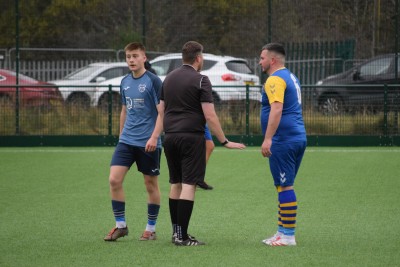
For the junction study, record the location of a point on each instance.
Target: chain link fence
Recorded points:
(322, 38)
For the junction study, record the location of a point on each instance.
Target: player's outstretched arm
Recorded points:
(215, 126)
(234, 145)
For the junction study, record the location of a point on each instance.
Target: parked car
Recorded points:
(32, 93)
(78, 87)
(101, 96)
(228, 75)
(358, 91)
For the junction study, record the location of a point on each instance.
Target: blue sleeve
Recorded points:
(122, 93)
(157, 84)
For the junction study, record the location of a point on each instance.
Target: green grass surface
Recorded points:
(55, 210)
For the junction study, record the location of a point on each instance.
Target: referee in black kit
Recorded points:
(187, 102)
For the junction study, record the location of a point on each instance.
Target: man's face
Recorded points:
(135, 59)
(265, 61)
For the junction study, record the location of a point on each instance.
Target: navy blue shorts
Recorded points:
(207, 133)
(285, 162)
(147, 163)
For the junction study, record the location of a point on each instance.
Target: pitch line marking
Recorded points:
(217, 150)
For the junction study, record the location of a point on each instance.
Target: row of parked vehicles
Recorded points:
(89, 86)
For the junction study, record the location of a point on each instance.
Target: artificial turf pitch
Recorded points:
(55, 210)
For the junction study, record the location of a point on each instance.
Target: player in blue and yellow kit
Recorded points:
(284, 137)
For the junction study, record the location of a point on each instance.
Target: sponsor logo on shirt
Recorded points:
(128, 102)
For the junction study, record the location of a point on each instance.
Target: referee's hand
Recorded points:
(234, 145)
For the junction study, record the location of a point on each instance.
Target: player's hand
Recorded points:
(234, 145)
(266, 148)
(151, 145)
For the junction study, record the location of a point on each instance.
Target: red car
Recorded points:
(32, 93)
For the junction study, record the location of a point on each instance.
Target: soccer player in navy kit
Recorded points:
(139, 141)
(284, 137)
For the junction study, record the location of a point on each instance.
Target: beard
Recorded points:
(267, 68)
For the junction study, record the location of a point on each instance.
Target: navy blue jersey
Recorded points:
(141, 97)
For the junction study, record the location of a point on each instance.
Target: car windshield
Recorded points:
(81, 73)
(238, 66)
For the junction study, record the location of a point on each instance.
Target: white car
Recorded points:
(228, 75)
(79, 87)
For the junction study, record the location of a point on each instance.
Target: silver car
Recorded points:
(79, 87)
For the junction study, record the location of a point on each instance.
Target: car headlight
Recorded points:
(319, 83)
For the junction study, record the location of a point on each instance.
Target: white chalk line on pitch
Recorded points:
(322, 150)
(66, 150)
(217, 150)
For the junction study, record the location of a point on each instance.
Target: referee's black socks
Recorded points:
(185, 208)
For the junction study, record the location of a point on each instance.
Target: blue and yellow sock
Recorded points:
(119, 213)
(288, 211)
(152, 214)
(280, 225)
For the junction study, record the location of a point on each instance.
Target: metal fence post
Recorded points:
(247, 113)
(385, 113)
(396, 65)
(17, 68)
(110, 107)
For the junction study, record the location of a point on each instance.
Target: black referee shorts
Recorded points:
(186, 157)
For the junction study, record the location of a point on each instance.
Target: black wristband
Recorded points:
(224, 143)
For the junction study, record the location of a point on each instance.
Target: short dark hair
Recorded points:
(275, 47)
(147, 66)
(134, 46)
(190, 51)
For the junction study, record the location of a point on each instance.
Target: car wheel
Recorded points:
(79, 101)
(331, 105)
(116, 102)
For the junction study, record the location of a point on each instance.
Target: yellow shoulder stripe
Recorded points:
(275, 89)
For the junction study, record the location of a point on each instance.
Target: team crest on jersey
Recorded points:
(142, 88)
